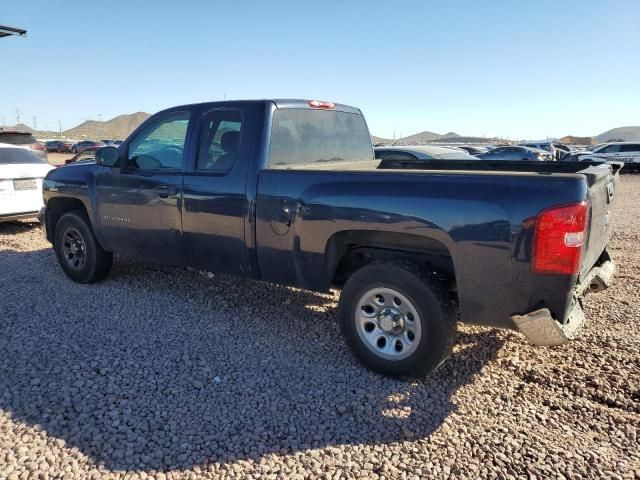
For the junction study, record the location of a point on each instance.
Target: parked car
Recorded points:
(52, 146)
(516, 153)
(23, 140)
(78, 147)
(473, 149)
(21, 175)
(88, 154)
(289, 192)
(626, 152)
(562, 151)
(421, 152)
(557, 150)
(58, 146)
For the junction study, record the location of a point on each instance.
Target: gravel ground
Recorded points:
(162, 372)
(58, 158)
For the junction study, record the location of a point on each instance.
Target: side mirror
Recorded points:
(107, 156)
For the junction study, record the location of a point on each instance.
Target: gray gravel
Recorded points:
(162, 372)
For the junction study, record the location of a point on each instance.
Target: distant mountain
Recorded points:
(465, 139)
(627, 134)
(432, 137)
(116, 128)
(422, 137)
(571, 140)
(376, 140)
(21, 127)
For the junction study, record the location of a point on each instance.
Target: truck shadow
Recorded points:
(159, 368)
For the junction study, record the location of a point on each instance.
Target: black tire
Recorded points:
(437, 317)
(94, 263)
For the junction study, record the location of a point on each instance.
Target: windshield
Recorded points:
(305, 136)
(18, 155)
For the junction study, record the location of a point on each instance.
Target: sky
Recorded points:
(515, 69)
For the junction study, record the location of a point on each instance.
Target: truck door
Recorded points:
(139, 204)
(214, 193)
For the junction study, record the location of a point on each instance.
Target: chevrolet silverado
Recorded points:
(289, 191)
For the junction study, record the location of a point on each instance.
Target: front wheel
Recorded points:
(78, 251)
(397, 319)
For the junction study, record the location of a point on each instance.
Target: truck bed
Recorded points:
(592, 170)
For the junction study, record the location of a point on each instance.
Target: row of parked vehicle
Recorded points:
(29, 141)
(69, 146)
(626, 152)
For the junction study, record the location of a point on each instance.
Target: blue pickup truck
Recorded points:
(289, 191)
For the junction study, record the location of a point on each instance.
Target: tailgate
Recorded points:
(602, 180)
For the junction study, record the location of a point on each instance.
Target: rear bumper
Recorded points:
(543, 330)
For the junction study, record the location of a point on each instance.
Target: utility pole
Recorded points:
(60, 128)
(101, 129)
(17, 117)
(35, 124)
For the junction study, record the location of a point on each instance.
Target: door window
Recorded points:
(161, 145)
(630, 147)
(610, 149)
(219, 141)
(501, 153)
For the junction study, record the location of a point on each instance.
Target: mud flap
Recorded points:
(541, 329)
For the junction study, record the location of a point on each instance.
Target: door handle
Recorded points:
(164, 191)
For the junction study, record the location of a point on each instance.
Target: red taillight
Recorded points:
(319, 104)
(559, 239)
(37, 146)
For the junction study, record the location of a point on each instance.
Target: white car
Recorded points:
(422, 152)
(627, 152)
(21, 175)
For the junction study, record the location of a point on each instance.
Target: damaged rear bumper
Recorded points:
(542, 329)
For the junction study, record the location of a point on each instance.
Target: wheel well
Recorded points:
(56, 207)
(348, 251)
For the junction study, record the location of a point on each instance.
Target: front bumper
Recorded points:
(42, 217)
(543, 330)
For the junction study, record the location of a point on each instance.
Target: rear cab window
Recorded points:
(219, 140)
(318, 138)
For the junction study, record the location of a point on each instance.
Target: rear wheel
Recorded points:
(79, 253)
(397, 319)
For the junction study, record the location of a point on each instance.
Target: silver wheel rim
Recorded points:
(388, 323)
